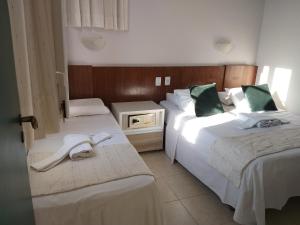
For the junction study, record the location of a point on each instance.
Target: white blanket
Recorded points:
(231, 155)
(112, 162)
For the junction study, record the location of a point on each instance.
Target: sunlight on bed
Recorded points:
(178, 120)
(192, 127)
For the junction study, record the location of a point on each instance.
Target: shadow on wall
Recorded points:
(279, 81)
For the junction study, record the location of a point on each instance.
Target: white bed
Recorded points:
(129, 201)
(267, 182)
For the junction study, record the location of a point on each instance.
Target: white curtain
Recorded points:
(105, 14)
(33, 42)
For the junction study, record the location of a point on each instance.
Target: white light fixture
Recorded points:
(224, 46)
(93, 43)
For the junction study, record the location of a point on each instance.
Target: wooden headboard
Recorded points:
(117, 84)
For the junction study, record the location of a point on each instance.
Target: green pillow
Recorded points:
(259, 98)
(206, 98)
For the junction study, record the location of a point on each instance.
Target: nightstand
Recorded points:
(142, 122)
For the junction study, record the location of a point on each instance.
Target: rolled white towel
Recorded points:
(100, 137)
(77, 146)
(86, 150)
(70, 142)
(82, 151)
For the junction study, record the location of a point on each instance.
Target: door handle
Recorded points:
(29, 119)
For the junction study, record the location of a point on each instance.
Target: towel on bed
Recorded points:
(99, 137)
(82, 151)
(71, 141)
(86, 150)
(112, 162)
(77, 146)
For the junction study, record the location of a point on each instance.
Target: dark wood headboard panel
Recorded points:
(237, 75)
(116, 84)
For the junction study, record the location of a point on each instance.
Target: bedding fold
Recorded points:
(231, 155)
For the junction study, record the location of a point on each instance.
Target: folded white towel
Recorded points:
(86, 150)
(82, 151)
(100, 137)
(77, 146)
(70, 142)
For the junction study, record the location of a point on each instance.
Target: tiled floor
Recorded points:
(188, 202)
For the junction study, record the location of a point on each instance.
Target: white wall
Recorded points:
(177, 32)
(279, 51)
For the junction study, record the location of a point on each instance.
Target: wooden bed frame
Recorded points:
(120, 84)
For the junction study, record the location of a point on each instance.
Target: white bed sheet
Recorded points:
(267, 182)
(102, 204)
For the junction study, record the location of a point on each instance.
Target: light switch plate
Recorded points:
(167, 81)
(157, 81)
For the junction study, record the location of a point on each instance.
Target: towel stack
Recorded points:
(77, 146)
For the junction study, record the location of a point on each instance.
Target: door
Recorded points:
(15, 197)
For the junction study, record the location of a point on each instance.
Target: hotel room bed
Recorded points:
(267, 182)
(128, 201)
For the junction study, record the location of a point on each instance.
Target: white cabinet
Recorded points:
(142, 122)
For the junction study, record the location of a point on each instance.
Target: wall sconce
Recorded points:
(93, 43)
(224, 46)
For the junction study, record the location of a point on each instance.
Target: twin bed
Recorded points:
(133, 200)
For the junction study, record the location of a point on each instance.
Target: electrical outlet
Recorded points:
(167, 81)
(157, 81)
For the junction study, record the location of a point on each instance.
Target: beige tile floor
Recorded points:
(188, 202)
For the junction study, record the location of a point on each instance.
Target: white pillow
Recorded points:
(184, 101)
(87, 107)
(225, 98)
(238, 98)
(170, 97)
(182, 92)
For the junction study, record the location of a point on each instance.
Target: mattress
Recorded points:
(103, 203)
(267, 182)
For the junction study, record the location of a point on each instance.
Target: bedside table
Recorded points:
(142, 123)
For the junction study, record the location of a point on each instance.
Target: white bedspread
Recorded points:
(231, 155)
(98, 204)
(267, 182)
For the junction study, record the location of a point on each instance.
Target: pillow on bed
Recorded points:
(184, 101)
(206, 98)
(238, 98)
(225, 98)
(170, 97)
(259, 98)
(87, 107)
